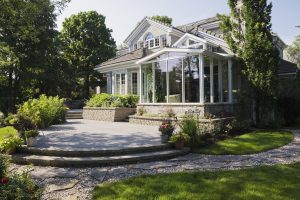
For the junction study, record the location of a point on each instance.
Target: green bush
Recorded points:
(17, 186)
(3, 165)
(31, 133)
(108, 100)
(10, 144)
(44, 111)
(190, 126)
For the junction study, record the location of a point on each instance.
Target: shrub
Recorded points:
(190, 126)
(44, 111)
(141, 111)
(100, 100)
(170, 113)
(180, 137)
(3, 165)
(10, 144)
(19, 186)
(108, 100)
(31, 133)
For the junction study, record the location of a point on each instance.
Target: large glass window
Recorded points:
(134, 83)
(206, 79)
(175, 80)
(147, 83)
(216, 80)
(191, 79)
(160, 79)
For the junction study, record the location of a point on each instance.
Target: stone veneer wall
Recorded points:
(206, 125)
(107, 114)
(181, 109)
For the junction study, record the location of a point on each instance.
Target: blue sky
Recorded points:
(123, 15)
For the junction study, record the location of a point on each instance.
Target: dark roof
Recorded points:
(133, 55)
(190, 26)
(286, 67)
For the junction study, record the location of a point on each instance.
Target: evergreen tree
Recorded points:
(163, 19)
(248, 33)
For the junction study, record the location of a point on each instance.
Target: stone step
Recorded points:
(74, 117)
(55, 161)
(92, 153)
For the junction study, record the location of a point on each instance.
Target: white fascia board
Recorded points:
(188, 36)
(120, 67)
(154, 55)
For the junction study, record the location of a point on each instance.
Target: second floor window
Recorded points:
(151, 41)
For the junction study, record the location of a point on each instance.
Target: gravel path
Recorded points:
(68, 183)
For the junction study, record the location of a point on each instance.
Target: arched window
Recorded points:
(151, 41)
(149, 36)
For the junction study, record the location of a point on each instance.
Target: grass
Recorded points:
(281, 182)
(249, 143)
(7, 131)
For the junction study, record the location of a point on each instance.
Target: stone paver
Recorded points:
(78, 183)
(96, 135)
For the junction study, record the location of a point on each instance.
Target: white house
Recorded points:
(182, 67)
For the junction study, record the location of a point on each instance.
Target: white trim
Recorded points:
(188, 36)
(211, 77)
(182, 81)
(201, 78)
(165, 50)
(141, 80)
(153, 83)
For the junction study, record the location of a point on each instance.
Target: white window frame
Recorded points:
(120, 83)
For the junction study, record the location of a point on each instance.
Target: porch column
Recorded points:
(201, 78)
(220, 79)
(211, 79)
(153, 83)
(167, 77)
(141, 82)
(230, 80)
(113, 86)
(182, 82)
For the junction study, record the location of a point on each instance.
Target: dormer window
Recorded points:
(151, 41)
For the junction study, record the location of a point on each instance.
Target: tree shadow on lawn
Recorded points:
(276, 183)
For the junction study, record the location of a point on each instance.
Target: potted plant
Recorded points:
(179, 139)
(31, 135)
(166, 129)
(10, 144)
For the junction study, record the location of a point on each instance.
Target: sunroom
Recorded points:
(175, 76)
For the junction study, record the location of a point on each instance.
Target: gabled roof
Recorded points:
(158, 23)
(131, 56)
(286, 67)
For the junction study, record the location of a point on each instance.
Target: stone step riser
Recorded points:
(95, 153)
(63, 162)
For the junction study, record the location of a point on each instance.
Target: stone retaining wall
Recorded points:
(206, 125)
(107, 114)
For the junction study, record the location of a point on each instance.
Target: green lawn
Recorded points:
(280, 182)
(6, 131)
(249, 143)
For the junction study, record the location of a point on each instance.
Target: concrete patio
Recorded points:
(96, 135)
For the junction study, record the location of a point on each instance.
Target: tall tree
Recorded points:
(27, 28)
(163, 19)
(87, 43)
(248, 33)
(293, 51)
